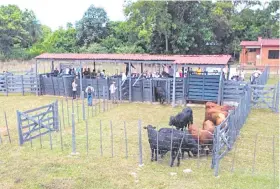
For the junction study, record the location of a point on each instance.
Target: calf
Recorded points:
(182, 119)
(160, 94)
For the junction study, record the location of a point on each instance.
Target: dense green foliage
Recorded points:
(159, 27)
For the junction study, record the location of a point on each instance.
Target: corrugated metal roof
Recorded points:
(202, 59)
(263, 42)
(179, 59)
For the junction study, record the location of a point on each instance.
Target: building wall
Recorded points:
(251, 57)
(264, 57)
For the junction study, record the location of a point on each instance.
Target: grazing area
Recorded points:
(33, 167)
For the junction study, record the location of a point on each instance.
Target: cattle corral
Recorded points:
(255, 164)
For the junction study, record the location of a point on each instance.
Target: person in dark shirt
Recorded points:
(55, 72)
(127, 68)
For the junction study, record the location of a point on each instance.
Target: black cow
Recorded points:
(189, 111)
(160, 94)
(182, 119)
(188, 144)
(162, 143)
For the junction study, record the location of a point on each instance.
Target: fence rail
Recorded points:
(18, 84)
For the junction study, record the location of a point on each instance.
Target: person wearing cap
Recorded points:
(89, 90)
(113, 89)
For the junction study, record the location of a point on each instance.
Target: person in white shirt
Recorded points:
(242, 75)
(89, 90)
(113, 89)
(74, 89)
(123, 76)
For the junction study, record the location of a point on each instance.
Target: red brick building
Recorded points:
(260, 53)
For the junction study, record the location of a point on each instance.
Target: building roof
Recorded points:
(178, 59)
(261, 42)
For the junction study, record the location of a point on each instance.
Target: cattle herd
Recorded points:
(187, 137)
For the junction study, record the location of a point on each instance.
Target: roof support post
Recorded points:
(130, 82)
(81, 80)
(36, 75)
(52, 66)
(174, 82)
(228, 73)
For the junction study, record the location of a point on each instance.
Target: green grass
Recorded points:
(26, 167)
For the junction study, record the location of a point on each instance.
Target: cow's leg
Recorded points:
(172, 158)
(152, 155)
(156, 153)
(178, 157)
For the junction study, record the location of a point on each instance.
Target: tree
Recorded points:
(92, 27)
(12, 29)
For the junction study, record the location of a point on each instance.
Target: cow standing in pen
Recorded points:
(168, 139)
(182, 119)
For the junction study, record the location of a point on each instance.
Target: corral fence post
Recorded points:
(19, 128)
(216, 150)
(77, 105)
(101, 148)
(7, 84)
(60, 133)
(273, 158)
(73, 131)
(50, 133)
(22, 85)
(62, 111)
(7, 127)
(220, 89)
(171, 146)
(83, 103)
(125, 138)
(140, 143)
(68, 115)
(112, 138)
(103, 93)
(87, 136)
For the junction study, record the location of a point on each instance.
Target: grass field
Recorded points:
(26, 167)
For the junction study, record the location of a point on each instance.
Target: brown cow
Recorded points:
(222, 108)
(214, 115)
(208, 126)
(204, 136)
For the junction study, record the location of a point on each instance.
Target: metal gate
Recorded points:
(265, 96)
(37, 122)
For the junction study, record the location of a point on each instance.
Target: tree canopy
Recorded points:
(156, 27)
